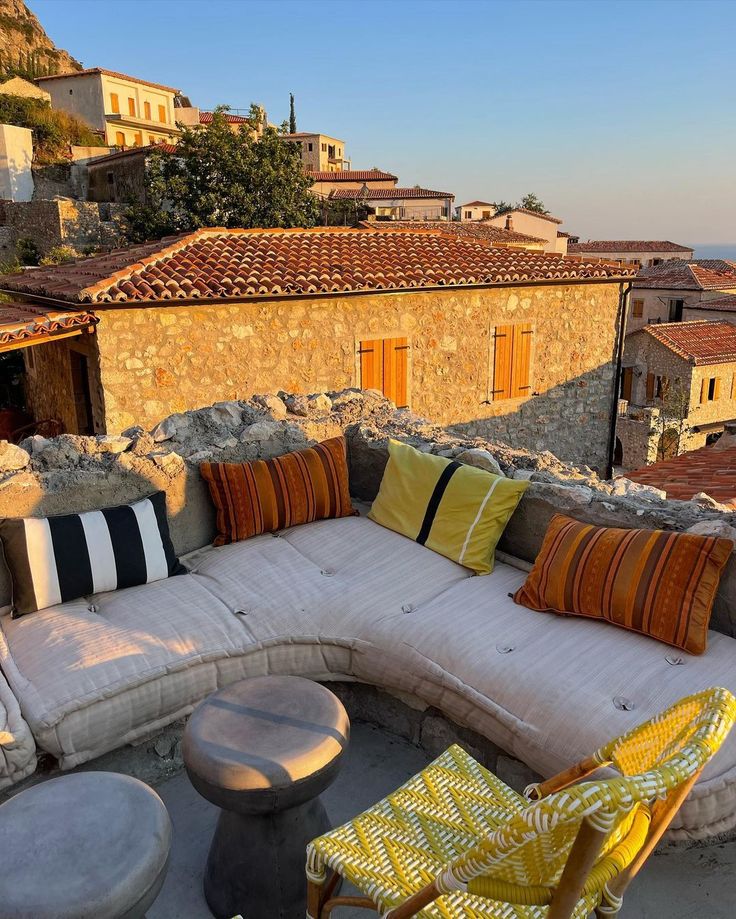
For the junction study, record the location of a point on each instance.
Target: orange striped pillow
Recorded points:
(656, 582)
(268, 495)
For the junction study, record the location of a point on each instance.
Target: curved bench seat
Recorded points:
(347, 599)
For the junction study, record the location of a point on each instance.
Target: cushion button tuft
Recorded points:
(504, 649)
(623, 704)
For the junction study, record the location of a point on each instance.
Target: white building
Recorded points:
(16, 156)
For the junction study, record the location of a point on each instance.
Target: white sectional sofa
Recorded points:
(348, 599)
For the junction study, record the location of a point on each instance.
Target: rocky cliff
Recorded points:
(25, 48)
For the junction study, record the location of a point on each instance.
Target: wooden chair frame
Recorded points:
(583, 855)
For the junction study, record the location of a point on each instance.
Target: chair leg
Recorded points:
(315, 896)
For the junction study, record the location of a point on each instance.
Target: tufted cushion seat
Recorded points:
(348, 599)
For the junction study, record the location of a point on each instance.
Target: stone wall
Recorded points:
(64, 221)
(155, 361)
(71, 473)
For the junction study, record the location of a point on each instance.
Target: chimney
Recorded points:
(509, 222)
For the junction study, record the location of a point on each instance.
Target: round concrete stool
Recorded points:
(93, 845)
(262, 750)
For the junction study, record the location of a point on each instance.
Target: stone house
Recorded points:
(126, 111)
(679, 289)
(320, 152)
(354, 179)
(518, 344)
(400, 203)
(639, 252)
(475, 210)
(696, 358)
(532, 223)
(17, 86)
(121, 176)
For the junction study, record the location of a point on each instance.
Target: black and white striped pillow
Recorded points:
(55, 559)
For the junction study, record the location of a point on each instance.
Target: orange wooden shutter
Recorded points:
(717, 388)
(650, 386)
(521, 360)
(627, 383)
(371, 365)
(395, 370)
(703, 390)
(502, 358)
(733, 385)
(131, 106)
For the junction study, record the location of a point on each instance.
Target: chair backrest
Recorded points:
(524, 859)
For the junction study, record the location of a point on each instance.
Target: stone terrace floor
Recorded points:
(677, 883)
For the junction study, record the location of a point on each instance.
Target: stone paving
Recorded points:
(677, 883)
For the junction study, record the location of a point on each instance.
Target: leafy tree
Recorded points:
(223, 178)
(531, 203)
(501, 207)
(672, 424)
(292, 115)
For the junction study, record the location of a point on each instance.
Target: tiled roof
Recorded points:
(695, 274)
(206, 118)
(22, 323)
(353, 175)
(629, 245)
(213, 264)
(132, 151)
(524, 210)
(107, 73)
(475, 229)
(725, 304)
(387, 194)
(477, 204)
(701, 341)
(710, 469)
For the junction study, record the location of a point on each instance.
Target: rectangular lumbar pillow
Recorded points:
(456, 510)
(268, 495)
(55, 559)
(657, 582)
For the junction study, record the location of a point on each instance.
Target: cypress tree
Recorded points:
(292, 115)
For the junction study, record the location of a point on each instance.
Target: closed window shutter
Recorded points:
(521, 361)
(395, 365)
(733, 385)
(502, 358)
(717, 388)
(628, 379)
(650, 386)
(371, 365)
(703, 390)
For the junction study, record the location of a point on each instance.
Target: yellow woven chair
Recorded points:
(455, 842)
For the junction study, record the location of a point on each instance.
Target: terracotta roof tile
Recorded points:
(477, 204)
(628, 245)
(132, 151)
(525, 210)
(475, 229)
(384, 194)
(353, 175)
(206, 118)
(694, 274)
(725, 304)
(22, 323)
(701, 341)
(107, 73)
(710, 469)
(213, 264)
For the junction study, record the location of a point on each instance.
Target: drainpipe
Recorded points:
(623, 304)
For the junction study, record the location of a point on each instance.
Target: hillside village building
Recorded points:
(477, 229)
(124, 110)
(640, 252)
(532, 223)
(696, 358)
(325, 183)
(521, 344)
(475, 210)
(320, 152)
(400, 203)
(678, 289)
(17, 86)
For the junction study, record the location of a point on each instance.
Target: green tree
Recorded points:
(53, 130)
(292, 115)
(502, 206)
(224, 178)
(530, 202)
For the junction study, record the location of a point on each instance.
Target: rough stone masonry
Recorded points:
(72, 473)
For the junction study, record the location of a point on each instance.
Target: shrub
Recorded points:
(53, 130)
(27, 251)
(59, 255)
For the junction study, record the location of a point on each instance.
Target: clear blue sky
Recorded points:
(619, 115)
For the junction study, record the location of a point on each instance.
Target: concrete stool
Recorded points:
(93, 845)
(262, 750)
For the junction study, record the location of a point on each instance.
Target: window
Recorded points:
(637, 308)
(162, 114)
(627, 380)
(110, 177)
(661, 386)
(675, 310)
(120, 138)
(384, 366)
(710, 389)
(151, 139)
(147, 110)
(137, 139)
(131, 106)
(512, 361)
(115, 103)
(468, 215)
(309, 147)
(486, 215)
(324, 148)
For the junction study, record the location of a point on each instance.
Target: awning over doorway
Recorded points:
(26, 324)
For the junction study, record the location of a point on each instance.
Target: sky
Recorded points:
(620, 116)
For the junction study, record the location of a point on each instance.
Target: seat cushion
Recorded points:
(551, 690)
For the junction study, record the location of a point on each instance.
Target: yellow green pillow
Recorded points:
(456, 510)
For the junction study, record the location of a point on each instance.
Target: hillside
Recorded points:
(25, 48)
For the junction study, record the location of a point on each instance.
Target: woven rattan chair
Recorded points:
(455, 842)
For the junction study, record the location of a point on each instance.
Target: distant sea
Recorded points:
(716, 250)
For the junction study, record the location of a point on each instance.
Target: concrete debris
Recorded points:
(480, 458)
(12, 457)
